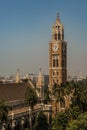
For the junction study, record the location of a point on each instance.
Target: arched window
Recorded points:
(54, 63)
(55, 36)
(59, 36)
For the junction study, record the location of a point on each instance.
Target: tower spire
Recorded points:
(58, 21)
(58, 17)
(17, 76)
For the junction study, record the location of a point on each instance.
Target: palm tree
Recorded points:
(58, 92)
(47, 95)
(31, 97)
(68, 88)
(3, 113)
(80, 96)
(68, 93)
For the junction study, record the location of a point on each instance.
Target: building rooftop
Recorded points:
(13, 91)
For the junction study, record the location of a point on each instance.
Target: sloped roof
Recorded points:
(13, 91)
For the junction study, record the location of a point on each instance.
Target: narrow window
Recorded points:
(53, 62)
(59, 36)
(56, 62)
(55, 36)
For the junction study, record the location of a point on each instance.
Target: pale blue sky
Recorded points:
(25, 31)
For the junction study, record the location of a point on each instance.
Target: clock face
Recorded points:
(55, 47)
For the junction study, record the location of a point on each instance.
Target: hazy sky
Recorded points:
(26, 29)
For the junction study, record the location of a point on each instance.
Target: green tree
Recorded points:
(47, 95)
(31, 97)
(3, 113)
(74, 112)
(41, 122)
(60, 121)
(58, 92)
(79, 124)
(80, 96)
(26, 129)
(68, 88)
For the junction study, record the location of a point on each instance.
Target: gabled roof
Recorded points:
(13, 91)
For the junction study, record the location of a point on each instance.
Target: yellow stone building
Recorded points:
(57, 55)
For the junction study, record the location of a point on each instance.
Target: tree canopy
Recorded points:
(79, 124)
(75, 117)
(31, 97)
(3, 113)
(40, 122)
(60, 121)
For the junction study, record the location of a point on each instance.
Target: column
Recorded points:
(30, 118)
(3, 126)
(13, 121)
(13, 124)
(22, 123)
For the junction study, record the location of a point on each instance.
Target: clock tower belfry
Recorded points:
(57, 55)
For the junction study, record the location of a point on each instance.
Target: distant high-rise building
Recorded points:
(57, 55)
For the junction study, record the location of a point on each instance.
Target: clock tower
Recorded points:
(57, 55)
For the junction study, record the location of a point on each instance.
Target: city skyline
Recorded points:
(25, 31)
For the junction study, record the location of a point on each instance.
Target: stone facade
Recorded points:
(57, 55)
